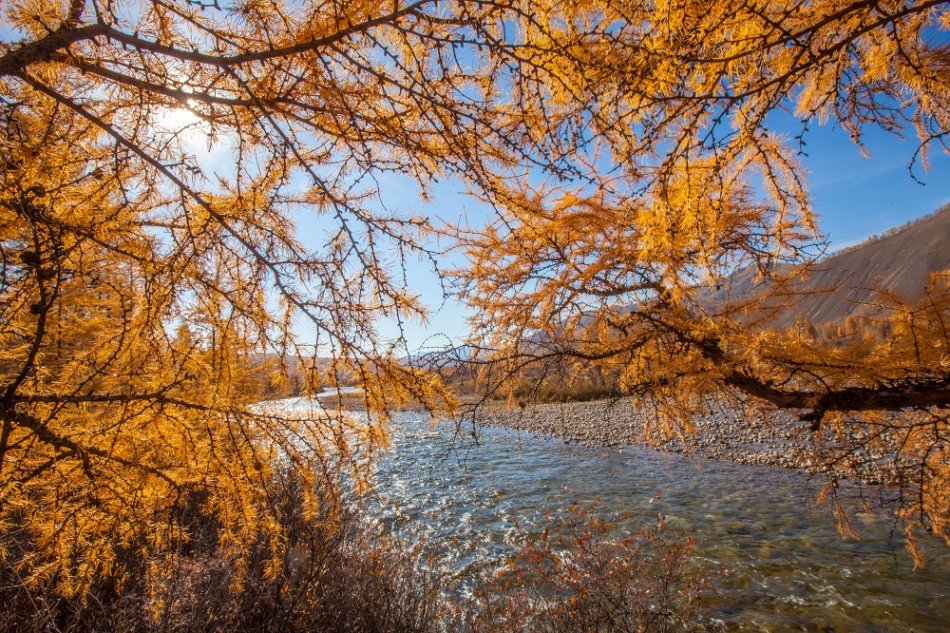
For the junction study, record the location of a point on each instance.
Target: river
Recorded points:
(786, 566)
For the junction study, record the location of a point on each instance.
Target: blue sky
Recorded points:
(855, 197)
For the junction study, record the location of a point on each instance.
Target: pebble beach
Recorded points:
(779, 440)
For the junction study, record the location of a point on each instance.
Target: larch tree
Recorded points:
(673, 175)
(151, 298)
(144, 291)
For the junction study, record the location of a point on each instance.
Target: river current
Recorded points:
(785, 565)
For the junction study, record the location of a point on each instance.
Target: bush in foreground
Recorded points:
(342, 573)
(338, 573)
(575, 577)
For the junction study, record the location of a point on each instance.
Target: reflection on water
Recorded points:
(787, 567)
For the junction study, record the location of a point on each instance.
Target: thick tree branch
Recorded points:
(20, 58)
(893, 396)
(914, 391)
(41, 50)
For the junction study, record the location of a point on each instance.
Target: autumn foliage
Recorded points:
(667, 118)
(150, 300)
(148, 307)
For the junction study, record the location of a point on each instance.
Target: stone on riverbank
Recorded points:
(777, 440)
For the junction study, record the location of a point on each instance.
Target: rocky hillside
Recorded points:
(844, 284)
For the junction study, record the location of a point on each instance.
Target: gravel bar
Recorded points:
(777, 440)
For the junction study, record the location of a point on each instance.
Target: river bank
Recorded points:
(784, 564)
(780, 440)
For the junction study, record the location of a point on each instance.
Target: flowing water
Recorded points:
(786, 566)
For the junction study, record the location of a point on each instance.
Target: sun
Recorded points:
(182, 124)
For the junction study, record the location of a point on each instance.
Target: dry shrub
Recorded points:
(575, 577)
(342, 573)
(339, 574)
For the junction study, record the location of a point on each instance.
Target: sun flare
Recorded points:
(185, 126)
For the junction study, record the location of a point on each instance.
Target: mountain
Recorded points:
(844, 283)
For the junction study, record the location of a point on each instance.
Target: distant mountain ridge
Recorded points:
(844, 283)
